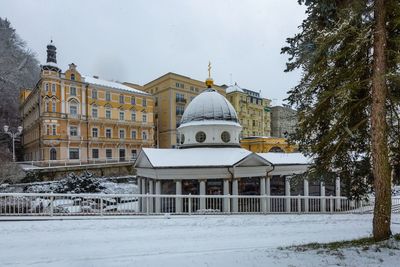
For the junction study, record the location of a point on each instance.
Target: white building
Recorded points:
(210, 161)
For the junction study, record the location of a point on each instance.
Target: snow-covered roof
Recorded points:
(195, 157)
(286, 158)
(234, 88)
(110, 84)
(209, 105)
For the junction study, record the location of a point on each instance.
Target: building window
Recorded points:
(179, 85)
(134, 153)
(73, 131)
(94, 112)
(180, 110)
(144, 135)
(200, 137)
(108, 114)
(74, 153)
(94, 94)
(133, 116)
(54, 129)
(53, 153)
(95, 132)
(225, 136)
(95, 153)
(108, 96)
(144, 117)
(53, 88)
(122, 115)
(121, 99)
(108, 133)
(133, 134)
(72, 91)
(109, 153)
(47, 106)
(46, 87)
(182, 139)
(133, 100)
(53, 106)
(191, 88)
(72, 77)
(122, 134)
(144, 102)
(180, 97)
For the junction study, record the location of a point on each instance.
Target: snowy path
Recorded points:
(250, 240)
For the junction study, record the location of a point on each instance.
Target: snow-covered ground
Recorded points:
(237, 240)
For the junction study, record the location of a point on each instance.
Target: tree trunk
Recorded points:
(380, 157)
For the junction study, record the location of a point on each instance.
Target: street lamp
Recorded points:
(14, 135)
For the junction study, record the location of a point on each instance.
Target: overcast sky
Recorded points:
(138, 41)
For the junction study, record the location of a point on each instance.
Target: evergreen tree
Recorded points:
(348, 96)
(18, 69)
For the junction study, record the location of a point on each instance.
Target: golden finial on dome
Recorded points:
(209, 80)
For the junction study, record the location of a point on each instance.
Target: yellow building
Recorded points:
(267, 144)
(253, 110)
(173, 92)
(71, 116)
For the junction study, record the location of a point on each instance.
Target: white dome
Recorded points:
(209, 105)
(209, 120)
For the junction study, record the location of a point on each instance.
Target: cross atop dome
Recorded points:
(209, 80)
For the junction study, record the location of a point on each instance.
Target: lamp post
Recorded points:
(13, 135)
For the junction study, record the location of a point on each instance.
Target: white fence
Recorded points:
(75, 162)
(27, 204)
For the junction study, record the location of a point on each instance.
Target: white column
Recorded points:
(139, 184)
(235, 192)
(262, 193)
(151, 191)
(323, 200)
(158, 200)
(178, 200)
(202, 193)
(268, 192)
(306, 194)
(337, 193)
(144, 204)
(287, 193)
(226, 200)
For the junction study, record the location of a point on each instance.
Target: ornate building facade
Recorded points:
(76, 117)
(252, 109)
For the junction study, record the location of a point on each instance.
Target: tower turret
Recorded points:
(51, 62)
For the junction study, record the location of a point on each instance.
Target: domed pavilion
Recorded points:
(209, 159)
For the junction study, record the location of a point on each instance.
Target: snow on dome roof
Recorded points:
(110, 84)
(234, 88)
(209, 105)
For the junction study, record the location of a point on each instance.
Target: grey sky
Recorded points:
(138, 41)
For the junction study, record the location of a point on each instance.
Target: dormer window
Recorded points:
(72, 77)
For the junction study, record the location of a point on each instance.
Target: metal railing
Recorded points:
(76, 162)
(34, 204)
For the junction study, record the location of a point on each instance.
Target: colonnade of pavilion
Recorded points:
(230, 188)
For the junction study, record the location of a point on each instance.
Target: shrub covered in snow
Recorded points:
(73, 183)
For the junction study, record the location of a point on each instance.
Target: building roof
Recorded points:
(209, 105)
(234, 88)
(110, 84)
(286, 158)
(195, 157)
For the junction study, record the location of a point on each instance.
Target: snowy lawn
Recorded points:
(238, 240)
